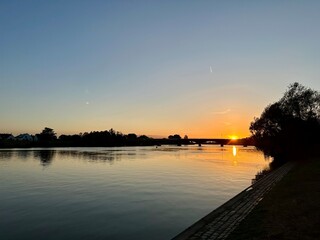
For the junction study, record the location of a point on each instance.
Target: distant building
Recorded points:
(6, 136)
(26, 137)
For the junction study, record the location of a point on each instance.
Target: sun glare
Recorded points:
(234, 137)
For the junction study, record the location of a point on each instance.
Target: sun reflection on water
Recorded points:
(234, 151)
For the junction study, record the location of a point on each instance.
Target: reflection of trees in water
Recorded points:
(23, 154)
(5, 155)
(99, 156)
(45, 156)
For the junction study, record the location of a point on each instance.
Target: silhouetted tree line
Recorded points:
(290, 125)
(108, 138)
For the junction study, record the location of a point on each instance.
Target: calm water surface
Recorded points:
(117, 193)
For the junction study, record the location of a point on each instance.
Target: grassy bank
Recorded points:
(291, 210)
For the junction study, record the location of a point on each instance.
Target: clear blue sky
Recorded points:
(201, 68)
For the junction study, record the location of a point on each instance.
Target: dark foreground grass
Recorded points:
(291, 210)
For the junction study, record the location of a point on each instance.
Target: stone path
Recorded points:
(221, 222)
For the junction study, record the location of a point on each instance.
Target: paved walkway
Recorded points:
(221, 222)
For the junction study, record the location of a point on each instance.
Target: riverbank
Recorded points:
(222, 221)
(291, 210)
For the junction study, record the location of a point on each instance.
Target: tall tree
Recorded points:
(289, 124)
(47, 136)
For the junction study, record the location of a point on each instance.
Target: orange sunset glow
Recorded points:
(188, 74)
(134, 120)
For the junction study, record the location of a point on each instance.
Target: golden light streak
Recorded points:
(234, 151)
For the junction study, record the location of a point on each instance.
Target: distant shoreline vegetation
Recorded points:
(107, 138)
(284, 131)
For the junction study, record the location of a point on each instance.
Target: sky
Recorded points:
(196, 68)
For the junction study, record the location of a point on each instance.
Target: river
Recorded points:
(117, 193)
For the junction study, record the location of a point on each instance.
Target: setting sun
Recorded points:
(233, 137)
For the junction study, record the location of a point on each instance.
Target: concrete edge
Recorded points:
(191, 230)
(209, 217)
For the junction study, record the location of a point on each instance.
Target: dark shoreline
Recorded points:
(149, 142)
(223, 220)
(291, 210)
(294, 197)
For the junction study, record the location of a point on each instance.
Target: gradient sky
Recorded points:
(201, 68)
